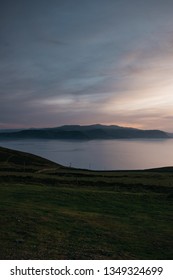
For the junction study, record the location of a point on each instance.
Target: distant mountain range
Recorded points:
(87, 132)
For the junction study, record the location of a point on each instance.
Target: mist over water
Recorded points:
(100, 154)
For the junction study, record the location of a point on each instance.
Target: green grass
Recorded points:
(51, 212)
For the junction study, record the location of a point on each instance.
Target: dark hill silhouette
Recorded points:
(12, 158)
(89, 132)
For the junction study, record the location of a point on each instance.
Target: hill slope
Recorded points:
(11, 159)
(52, 212)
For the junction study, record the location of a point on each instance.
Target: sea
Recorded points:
(100, 154)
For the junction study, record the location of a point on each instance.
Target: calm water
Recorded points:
(100, 154)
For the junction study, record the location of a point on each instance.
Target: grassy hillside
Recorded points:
(48, 211)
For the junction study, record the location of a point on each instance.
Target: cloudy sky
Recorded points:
(85, 62)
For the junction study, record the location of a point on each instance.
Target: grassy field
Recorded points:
(48, 211)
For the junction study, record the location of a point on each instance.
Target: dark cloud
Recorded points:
(66, 61)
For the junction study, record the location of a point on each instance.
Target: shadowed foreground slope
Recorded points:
(48, 211)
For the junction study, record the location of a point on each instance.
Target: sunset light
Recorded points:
(90, 62)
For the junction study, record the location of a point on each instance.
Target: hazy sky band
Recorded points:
(81, 62)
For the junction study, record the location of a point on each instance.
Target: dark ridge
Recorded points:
(89, 132)
(161, 169)
(8, 157)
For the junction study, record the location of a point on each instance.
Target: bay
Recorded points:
(100, 154)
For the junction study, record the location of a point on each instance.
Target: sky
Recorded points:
(86, 62)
